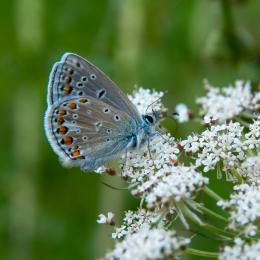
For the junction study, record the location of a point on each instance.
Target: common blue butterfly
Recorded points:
(89, 120)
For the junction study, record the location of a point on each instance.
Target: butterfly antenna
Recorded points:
(113, 187)
(157, 100)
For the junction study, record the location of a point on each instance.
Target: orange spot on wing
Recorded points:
(62, 112)
(67, 140)
(83, 100)
(68, 80)
(75, 153)
(63, 130)
(72, 105)
(60, 120)
(67, 89)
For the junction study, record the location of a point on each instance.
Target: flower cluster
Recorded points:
(218, 143)
(146, 99)
(243, 207)
(134, 221)
(223, 104)
(183, 113)
(149, 244)
(250, 169)
(167, 175)
(253, 136)
(158, 179)
(241, 250)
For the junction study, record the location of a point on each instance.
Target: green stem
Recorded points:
(229, 30)
(192, 251)
(237, 175)
(242, 122)
(212, 194)
(196, 220)
(211, 213)
(218, 231)
(248, 115)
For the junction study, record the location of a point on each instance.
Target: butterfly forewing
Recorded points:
(75, 76)
(85, 127)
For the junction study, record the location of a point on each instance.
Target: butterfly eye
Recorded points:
(149, 119)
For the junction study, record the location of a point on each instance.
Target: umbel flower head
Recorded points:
(135, 220)
(167, 176)
(154, 173)
(218, 143)
(241, 250)
(149, 244)
(244, 208)
(225, 103)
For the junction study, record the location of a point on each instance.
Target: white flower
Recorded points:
(250, 168)
(209, 119)
(244, 208)
(218, 143)
(183, 113)
(146, 99)
(149, 244)
(256, 100)
(226, 103)
(158, 180)
(136, 220)
(253, 136)
(102, 219)
(241, 250)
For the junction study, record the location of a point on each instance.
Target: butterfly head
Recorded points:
(151, 119)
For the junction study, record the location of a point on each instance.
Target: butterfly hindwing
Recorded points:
(85, 130)
(75, 76)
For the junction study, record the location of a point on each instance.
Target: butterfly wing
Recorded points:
(88, 132)
(75, 76)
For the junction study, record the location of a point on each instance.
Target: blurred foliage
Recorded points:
(46, 211)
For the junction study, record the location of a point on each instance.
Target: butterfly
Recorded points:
(89, 120)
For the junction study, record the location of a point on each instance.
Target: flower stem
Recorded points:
(242, 122)
(211, 213)
(248, 115)
(196, 220)
(212, 194)
(192, 251)
(237, 175)
(218, 231)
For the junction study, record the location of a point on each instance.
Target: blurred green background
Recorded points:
(46, 211)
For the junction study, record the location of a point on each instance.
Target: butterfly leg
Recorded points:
(124, 162)
(162, 134)
(149, 151)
